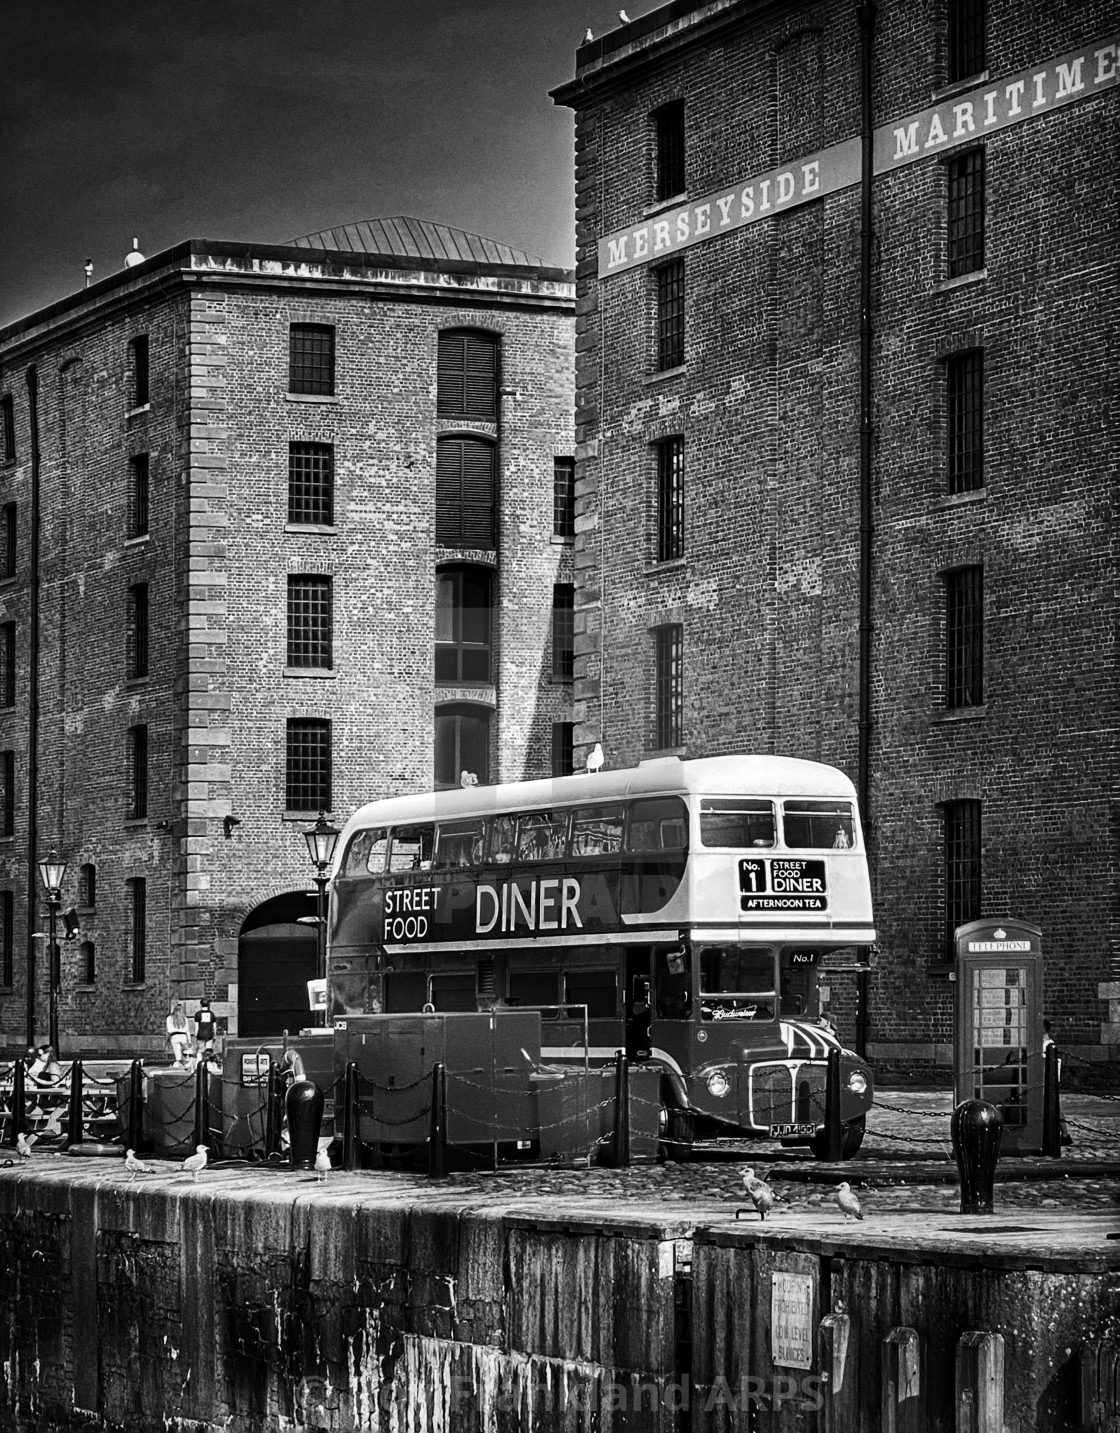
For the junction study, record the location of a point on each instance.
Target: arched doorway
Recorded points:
(275, 960)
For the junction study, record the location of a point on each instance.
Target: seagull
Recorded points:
(849, 1204)
(23, 1146)
(622, 15)
(467, 779)
(759, 1193)
(596, 759)
(136, 1166)
(194, 1164)
(322, 1164)
(588, 38)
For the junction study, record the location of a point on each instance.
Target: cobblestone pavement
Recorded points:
(906, 1165)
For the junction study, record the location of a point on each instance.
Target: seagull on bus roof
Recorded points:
(596, 759)
(849, 1205)
(588, 37)
(622, 15)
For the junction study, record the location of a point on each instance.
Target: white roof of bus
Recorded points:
(710, 776)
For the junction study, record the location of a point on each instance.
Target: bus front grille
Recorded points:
(771, 1095)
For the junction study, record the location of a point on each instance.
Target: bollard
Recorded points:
(18, 1122)
(903, 1407)
(437, 1138)
(351, 1119)
(618, 1148)
(979, 1382)
(134, 1122)
(839, 1365)
(304, 1107)
(273, 1111)
(977, 1129)
(833, 1129)
(201, 1105)
(75, 1114)
(1051, 1104)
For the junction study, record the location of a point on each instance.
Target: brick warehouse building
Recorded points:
(284, 529)
(846, 347)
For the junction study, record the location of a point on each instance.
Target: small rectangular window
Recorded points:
(669, 282)
(138, 772)
(659, 824)
(668, 685)
(459, 844)
(818, 825)
(141, 392)
(563, 631)
(541, 836)
(87, 886)
(412, 848)
(311, 358)
(669, 124)
(670, 499)
(967, 39)
(7, 541)
(8, 424)
(966, 213)
(366, 853)
(965, 383)
(962, 868)
(307, 779)
(137, 666)
(138, 903)
(563, 748)
(138, 495)
(466, 491)
(311, 483)
(7, 937)
(598, 830)
(564, 497)
(310, 621)
(964, 637)
(87, 962)
(738, 822)
(8, 664)
(7, 793)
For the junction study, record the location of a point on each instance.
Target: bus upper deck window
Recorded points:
(540, 836)
(412, 848)
(597, 830)
(503, 839)
(658, 825)
(458, 844)
(366, 853)
(739, 822)
(818, 825)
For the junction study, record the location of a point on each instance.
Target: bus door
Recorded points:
(639, 1004)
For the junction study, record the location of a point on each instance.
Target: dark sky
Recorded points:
(268, 119)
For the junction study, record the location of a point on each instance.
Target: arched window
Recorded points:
(467, 374)
(466, 486)
(464, 602)
(462, 744)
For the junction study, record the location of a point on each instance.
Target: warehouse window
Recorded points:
(966, 213)
(138, 495)
(462, 743)
(464, 605)
(669, 126)
(138, 922)
(669, 286)
(87, 962)
(307, 772)
(564, 497)
(7, 937)
(8, 425)
(310, 621)
(311, 483)
(670, 499)
(964, 634)
(563, 631)
(962, 868)
(138, 772)
(137, 658)
(7, 793)
(965, 428)
(311, 358)
(138, 364)
(966, 39)
(668, 685)
(8, 664)
(467, 366)
(466, 473)
(87, 886)
(563, 748)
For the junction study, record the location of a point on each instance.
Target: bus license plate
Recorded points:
(782, 1131)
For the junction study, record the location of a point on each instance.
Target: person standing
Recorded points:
(178, 1034)
(204, 1029)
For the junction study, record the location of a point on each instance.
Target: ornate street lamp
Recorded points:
(321, 841)
(51, 872)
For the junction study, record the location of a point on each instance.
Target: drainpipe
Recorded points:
(865, 14)
(33, 707)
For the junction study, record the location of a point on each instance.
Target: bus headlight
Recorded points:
(857, 1083)
(718, 1084)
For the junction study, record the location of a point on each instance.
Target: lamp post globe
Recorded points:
(51, 873)
(321, 841)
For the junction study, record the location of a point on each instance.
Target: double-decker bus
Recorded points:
(685, 906)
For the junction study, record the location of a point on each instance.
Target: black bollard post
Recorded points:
(618, 1150)
(1051, 1104)
(273, 1111)
(437, 1138)
(201, 1105)
(75, 1112)
(977, 1129)
(303, 1105)
(18, 1121)
(351, 1119)
(134, 1123)
(833, 1129)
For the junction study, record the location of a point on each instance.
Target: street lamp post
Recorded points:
(321, 840)
(51, 872)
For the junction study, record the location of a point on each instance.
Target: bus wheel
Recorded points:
(851, 1137)
(679, 1135)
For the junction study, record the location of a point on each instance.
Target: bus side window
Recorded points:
(367, 853)
(540, 836)
(658, 825)
(503, 836)
(597, 989)
(674, 984)
(412, 848)
(597, 831)
(458, 844)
